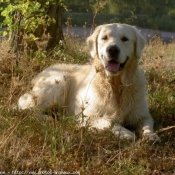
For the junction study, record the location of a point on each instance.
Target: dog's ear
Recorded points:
(140, 43)
(92, 41)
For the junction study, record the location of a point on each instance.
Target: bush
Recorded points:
(165, 22)
(79, 19)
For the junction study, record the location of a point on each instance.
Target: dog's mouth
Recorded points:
(114, 66)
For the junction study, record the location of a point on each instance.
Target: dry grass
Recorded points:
(29, 143)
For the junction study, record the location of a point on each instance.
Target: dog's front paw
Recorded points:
(126, 136)
(123, 134)
(148, 135)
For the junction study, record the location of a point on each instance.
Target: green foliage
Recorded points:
(25, 17)
(31, 26)
(164, 22)
(153, 14)
(152, 7)
(78, 5)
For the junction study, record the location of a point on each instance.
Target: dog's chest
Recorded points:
(91, 103)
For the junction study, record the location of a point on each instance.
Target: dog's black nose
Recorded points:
(113, 51)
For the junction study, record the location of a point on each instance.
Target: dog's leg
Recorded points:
(118, 130)
(49, 90)
(147, 130)
(122, 133)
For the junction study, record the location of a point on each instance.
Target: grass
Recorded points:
(30, 143)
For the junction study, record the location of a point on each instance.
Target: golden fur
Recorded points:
(107, 92)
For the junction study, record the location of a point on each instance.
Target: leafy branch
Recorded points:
(27, 22)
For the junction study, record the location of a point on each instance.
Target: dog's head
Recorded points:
(115, 45)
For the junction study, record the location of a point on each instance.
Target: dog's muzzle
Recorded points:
(113, 66)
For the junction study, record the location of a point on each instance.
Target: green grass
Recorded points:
(32, 143)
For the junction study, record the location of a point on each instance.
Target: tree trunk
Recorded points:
(55, 29)
(50, 35)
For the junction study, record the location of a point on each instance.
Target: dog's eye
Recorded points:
(105, 37)
(124, 39)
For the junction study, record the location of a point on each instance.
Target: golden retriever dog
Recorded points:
(110, 92)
